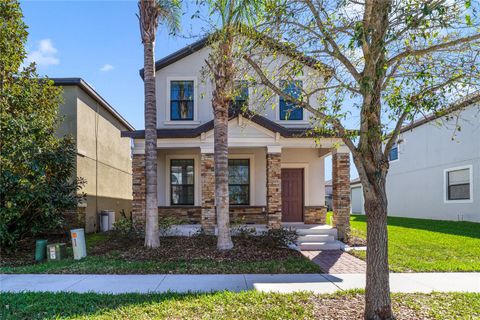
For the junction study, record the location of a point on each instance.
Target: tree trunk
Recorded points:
(224, 241)
(223, 78)
(377, 290)
(152, 239)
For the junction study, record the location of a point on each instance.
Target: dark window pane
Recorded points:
(181, 90)
(182, 181)
(459, 192)
(393, 155)
(239, 181)
(181, 100)
(239, 194)
(182, 195)
(288, 110)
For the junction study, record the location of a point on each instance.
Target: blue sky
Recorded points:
(99, 41)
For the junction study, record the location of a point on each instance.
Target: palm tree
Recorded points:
(232, 14)
(151, 13)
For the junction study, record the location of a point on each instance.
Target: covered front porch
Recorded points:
(274, 179)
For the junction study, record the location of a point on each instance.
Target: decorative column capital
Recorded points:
(206, 149)
(341, 149)
(274, 149)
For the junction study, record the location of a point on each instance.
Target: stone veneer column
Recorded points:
(207, 172)
(341, 192)
(274, 187)
(139, 190)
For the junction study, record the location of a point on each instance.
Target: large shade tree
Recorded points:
(222, 63)
(37, 168)
(389, 62)
(151, 13)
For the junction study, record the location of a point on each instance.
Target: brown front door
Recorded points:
(292, 195)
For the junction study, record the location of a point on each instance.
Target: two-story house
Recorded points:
(276, 170)
(103, 156)
(435, 167)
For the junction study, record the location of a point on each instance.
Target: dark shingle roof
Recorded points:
(298, 132)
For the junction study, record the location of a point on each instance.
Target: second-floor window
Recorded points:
(289, 110)
(393, 155)
(241, 97)
(181, 100)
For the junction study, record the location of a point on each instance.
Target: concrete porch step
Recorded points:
(316, 238)
(319, 230)
(318, 246)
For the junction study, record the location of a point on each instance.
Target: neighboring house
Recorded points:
(356, 196)
(434, 169)
(276, 170)
(329, 195)
(103, 156)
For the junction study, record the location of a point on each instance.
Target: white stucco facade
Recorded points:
(416, 182)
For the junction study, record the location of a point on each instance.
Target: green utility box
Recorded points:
(56, 251)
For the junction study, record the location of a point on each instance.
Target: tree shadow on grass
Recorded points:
(458, 228)
(138, 306)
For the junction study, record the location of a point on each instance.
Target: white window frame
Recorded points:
(168, 120)
(445, 182)
(251, 159)
(304, 111)
(196, 178)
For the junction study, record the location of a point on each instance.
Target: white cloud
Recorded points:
(106, 67)
(45, 55)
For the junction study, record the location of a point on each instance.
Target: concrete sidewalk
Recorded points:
(317, 283)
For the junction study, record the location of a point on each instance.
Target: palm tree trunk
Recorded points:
(223, 76)
(152, 239)
(220, 134)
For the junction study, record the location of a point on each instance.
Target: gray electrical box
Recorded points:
(78, 243)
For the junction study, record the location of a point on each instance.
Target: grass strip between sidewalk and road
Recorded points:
(228, 305)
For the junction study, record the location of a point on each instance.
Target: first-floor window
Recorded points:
(458, 184)
(239, 181)
(182, 182)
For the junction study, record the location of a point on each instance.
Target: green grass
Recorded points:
(108, 265)
(422, 245)
(228, 305)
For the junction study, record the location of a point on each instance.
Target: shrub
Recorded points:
(124, 226)
(275, 238)
(165, 224)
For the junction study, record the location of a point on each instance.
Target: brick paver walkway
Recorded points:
(336, 261)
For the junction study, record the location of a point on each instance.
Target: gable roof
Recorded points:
(458, 105)
(204, 42)
(298, 132)
(94, 95)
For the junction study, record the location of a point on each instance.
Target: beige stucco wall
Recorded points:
(103, 157)
(308, 159)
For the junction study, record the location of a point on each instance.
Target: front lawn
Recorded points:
(228, 305)
(112, 254)
(421, 245)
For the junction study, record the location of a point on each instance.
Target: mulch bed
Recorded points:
(351, 307)
(199, 247)
(354, 241)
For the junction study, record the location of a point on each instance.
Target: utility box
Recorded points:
(78, 243)
(56, 251)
